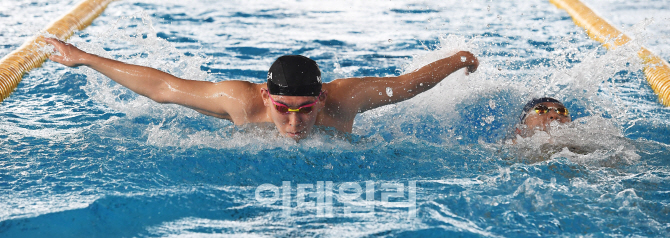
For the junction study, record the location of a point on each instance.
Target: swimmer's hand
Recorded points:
(69, 55)
(470, 60)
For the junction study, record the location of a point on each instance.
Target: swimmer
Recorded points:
(293, 99)
(539, 113)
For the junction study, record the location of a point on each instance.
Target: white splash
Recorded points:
(589, 140)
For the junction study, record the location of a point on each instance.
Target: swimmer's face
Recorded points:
(294, 125)
(535, 121)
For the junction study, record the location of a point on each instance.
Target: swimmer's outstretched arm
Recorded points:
(371, 92)
(214, 99)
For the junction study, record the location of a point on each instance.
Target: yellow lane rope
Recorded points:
(656, 69)
(29, 55)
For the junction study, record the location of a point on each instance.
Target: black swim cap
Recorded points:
(294, 75)
(534, 102)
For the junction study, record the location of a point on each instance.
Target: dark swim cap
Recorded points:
(534, 102)
(294, 75)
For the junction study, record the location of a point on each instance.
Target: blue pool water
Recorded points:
(83, 157)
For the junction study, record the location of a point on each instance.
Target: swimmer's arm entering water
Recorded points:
(215, 99)
(362, 94)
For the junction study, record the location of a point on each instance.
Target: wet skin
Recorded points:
(293, 124)
(535, 121)
(244, 102)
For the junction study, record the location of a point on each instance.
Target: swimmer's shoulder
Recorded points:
(341, 105)
(341, 99)
(241, 101)
(239, 88)
(341, 86)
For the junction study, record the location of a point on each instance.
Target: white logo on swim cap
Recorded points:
(318, 78)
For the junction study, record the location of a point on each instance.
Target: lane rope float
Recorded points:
(656, 70)
(31, 54)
